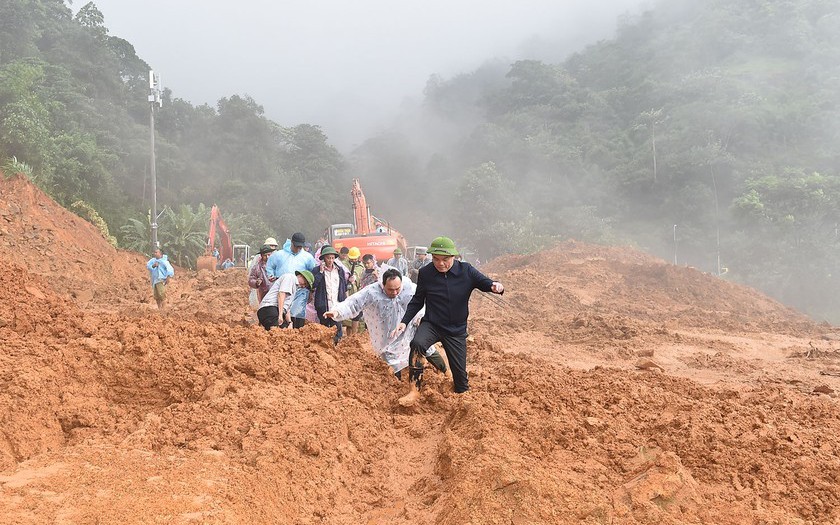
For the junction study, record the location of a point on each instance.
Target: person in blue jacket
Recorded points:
(444, 287)
(292, 258)
(160, 271)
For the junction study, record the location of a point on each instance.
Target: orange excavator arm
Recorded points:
(361, 214)
(220, 229)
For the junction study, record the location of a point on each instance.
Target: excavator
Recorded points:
(239, 254)
(367, 233)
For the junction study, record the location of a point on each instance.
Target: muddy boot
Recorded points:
(411, 398)
(437, 361)
(415, 381)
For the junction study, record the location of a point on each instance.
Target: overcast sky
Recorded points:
(344, 65)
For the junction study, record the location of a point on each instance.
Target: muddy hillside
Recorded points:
(607, 387)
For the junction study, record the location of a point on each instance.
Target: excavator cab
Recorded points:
(241, 255)
(337, 231)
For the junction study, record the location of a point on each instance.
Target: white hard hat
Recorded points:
(271, 241)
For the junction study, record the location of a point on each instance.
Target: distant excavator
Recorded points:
(239, 254)
(367, 233)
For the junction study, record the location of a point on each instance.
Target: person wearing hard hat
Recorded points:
(329, 288)
(257, 278)
(271, 242)
(444, 288)
(420, 260)
(288, 259)
(275, 307)
(357, 269)
(398, 261)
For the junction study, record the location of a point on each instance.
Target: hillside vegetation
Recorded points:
(704, 132)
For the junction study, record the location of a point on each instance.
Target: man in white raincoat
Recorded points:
(384, 304)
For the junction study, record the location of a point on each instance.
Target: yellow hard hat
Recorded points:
(354, 253)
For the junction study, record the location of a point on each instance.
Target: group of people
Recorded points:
(227, 264)
(405, 318)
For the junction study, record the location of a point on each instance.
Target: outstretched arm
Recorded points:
(484, 283)
(352, 306)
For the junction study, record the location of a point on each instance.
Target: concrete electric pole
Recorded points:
(154, 100)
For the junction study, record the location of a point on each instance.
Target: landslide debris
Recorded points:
(113, 414)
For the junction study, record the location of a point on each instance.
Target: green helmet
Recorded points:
(442, 246)
(307, 275)
(327, 250)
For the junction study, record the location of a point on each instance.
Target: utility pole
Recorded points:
(154, 100)
(675, 245)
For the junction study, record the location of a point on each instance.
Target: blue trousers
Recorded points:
(299, 301)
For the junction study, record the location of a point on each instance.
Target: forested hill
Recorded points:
(74, 116)
(705, 132)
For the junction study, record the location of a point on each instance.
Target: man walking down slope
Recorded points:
(444, 288)
(384, 304)
(160, 271)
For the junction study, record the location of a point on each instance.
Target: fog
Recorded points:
(346, 66)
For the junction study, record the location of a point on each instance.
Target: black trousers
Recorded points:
(269, 317)
(456, 351)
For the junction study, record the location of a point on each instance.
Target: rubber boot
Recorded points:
(411, 398)
(415, 381)
(437, 361)
(298, 322)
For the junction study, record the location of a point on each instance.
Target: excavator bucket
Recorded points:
(206, 262)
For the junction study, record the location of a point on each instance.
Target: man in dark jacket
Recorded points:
(329, 288)
(444, 287)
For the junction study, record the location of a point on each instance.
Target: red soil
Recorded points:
(114, 413)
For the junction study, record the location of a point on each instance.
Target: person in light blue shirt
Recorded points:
(160, 271)
(292, 258)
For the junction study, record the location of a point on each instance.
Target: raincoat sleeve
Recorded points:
(170, 271)
(253, 275)
(275, 264)
(150, 263)
(310, 263)
(353, 305)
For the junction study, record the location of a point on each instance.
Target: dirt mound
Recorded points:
(582, 284)
(61, 246)
(116, 413)
(214, 423)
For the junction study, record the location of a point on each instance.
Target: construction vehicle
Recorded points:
(217, 228)
(241, 255)
(367, 233)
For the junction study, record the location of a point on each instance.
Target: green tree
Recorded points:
(183, 233)
(136, 235)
